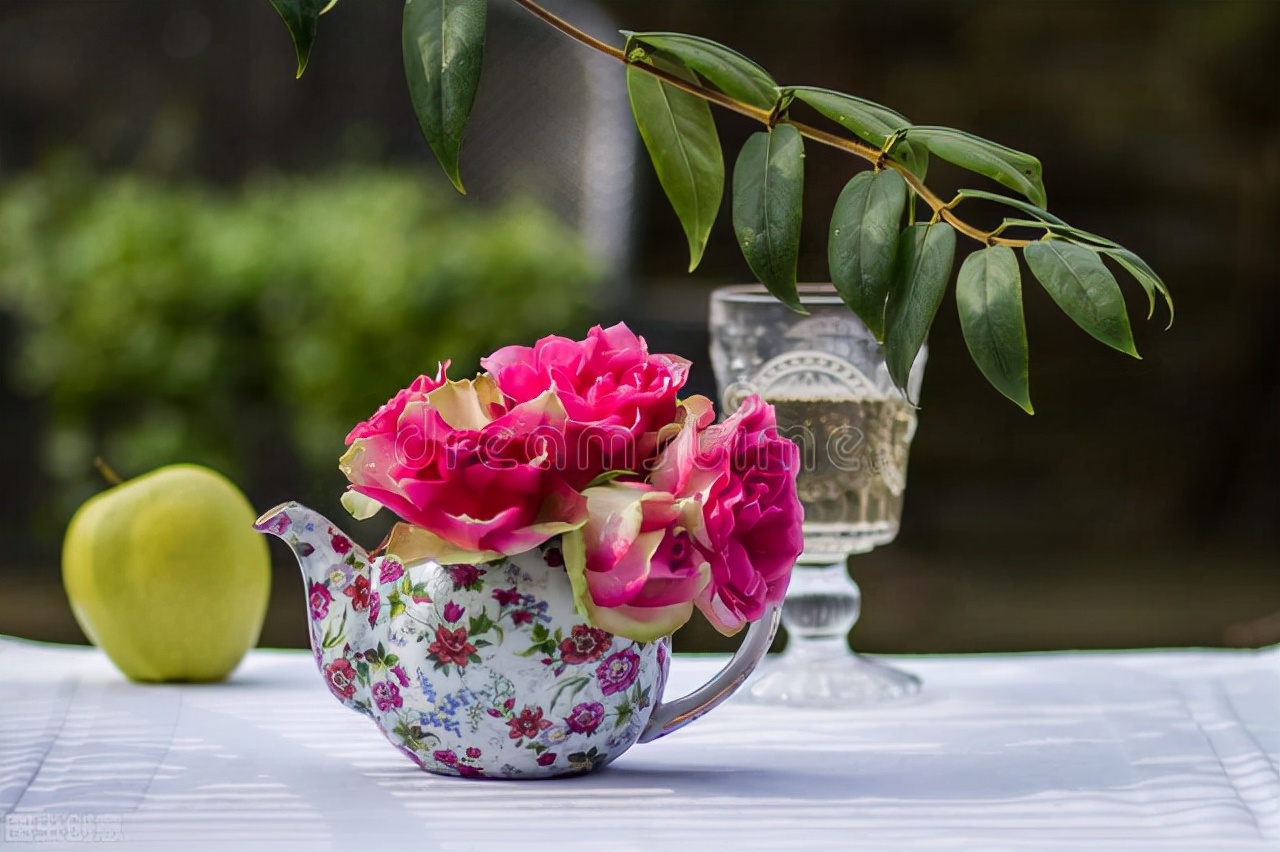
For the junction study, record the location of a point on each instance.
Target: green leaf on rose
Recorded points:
(1077, 279)
(989, 301)
(1014, 169)
(921, 268)
(863, 241)
(768, 190)
(680, 136)
(443, 45)
(725, 68)
(609, 476)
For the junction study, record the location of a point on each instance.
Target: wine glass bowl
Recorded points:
(826, 377)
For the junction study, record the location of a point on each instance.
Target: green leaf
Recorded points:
(1134, 265)
(681, 138)
(609, 476)
(1065, 231)
(443, 42)
(726, 69)
(920, 273)
(1084, 288)
(1144, 275)
(1026, 207)
(1014, 169)
(989, 300)
(863, 241)
(768, 192)
(869, 121)
(300, 18)
(914, 157)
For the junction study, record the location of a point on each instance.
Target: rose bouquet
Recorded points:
(658, 508)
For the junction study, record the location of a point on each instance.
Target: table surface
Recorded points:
(1146, 750)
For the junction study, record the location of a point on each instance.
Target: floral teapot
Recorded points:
(487, 670)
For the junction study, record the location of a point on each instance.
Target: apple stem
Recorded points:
(108, 474)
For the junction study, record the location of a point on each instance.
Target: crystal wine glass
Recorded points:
(826, 377)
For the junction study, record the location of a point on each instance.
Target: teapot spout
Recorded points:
(344, 604)
(314, 540)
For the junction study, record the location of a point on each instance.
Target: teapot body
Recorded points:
(487, 670)
(479, 670)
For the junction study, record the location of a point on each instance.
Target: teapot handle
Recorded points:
(671, 716)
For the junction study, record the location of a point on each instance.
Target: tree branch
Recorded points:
(766, 117)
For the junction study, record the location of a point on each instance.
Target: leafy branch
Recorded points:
(890, 269)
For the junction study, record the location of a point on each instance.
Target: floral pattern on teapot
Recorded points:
(473, 670)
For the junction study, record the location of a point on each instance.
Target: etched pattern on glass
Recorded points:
(826, 377)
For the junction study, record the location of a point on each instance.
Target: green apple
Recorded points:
(167, 576)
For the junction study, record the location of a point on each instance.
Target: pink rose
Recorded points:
(642, 569)
(742, 476)
(615, 393)
(473, 475)
(386, 417)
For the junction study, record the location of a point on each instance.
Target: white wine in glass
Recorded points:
(826, 377)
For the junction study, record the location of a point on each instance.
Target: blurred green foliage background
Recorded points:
(250, 329)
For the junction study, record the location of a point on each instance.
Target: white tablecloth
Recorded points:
(1153, 750)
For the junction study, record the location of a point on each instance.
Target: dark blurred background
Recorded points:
(202, 258)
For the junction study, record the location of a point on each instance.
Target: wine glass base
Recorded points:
(850, 680)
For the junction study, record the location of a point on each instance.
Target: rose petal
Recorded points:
(465, 404)
(359, 506)
(627, 576)
(410, 545)
(641, 624)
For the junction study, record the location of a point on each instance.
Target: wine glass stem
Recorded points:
(822, 605)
